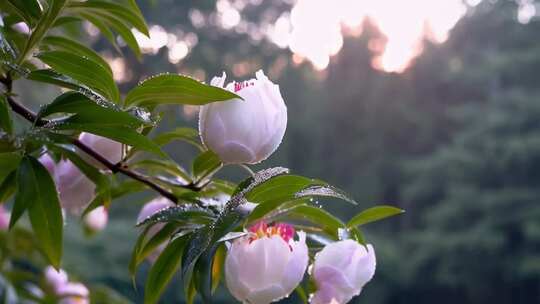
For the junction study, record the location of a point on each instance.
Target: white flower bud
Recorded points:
(341, 270)
(96, 220)
(245, 131)
(150, 208)
(267, 265)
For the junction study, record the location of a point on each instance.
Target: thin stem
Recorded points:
(120, 167)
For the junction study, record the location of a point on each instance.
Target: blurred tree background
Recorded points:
(454, 140)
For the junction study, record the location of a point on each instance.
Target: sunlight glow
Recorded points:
(316, 27)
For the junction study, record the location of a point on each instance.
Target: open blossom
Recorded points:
(150, 208)
(245, 131)
(96, 220)
(341, 270)
(267, 265)
(4, 218)
(68, 292)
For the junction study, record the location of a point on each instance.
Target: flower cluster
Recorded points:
(268, 264)
(75, 190)
(66, 291)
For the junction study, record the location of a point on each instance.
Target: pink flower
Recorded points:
(75, 190)
(55, 279)
(341, 270)
(267, 265)
(107, 148)
(74, 293)
(96, 220)
(4, 218)
(149, 209)
(245, 131)
(68, 292)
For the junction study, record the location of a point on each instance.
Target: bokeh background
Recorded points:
(433, 106)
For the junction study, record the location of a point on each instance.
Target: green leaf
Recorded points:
(105, 31)
(83, 70)
(111, 10)
(205, 240)
(282, 187)
(52, 77)
(301, 294)
(357, 235)
(163, 270)
(175, 89)
(374, 214)
(188, 135)
(190, 291)
(63, 20)
(7, 143)
(206, 164)
(71, 46)
(126, 34)
(44, 24)
(181, 213)
(274, 208)
(319, 217)
(91, 172)
(218, 266)
(89, 111)
(7, 52)
(118, 133)
(161, 166)
(28, 10)
(8, 186)
(8, 163)
(143, 249)
(324, 191)
(36, 193)
(5, 118)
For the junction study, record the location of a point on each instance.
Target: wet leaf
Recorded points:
(175, 89)
(374, 214)
(191, 213)
(168, 262)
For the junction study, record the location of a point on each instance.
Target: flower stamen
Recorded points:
(261, 229)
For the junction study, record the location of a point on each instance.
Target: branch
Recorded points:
(32, 117)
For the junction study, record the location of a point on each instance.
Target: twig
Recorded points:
(122, 168)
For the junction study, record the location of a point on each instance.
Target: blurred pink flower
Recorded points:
(75, 190)
(107, 148)
(96, 220)
(68, 292)
(150, 208)
(4, 218)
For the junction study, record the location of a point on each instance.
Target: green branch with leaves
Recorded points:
(65, 160)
